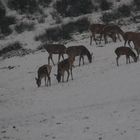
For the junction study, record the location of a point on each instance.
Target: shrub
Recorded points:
(124, 10)
(73, 8)
(64, 32)
(4, 25)
(105, 5)
(44, 2)
(24, 26)
(10, 47)
(2, 11)
(30, 6)
(109, 16)
(137, 3)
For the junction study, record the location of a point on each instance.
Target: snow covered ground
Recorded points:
(101, 103)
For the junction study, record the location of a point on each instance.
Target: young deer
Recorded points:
(65, 65)
(55, 49)
(127, 52)
(44, 72)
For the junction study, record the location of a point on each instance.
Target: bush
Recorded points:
(124, 10)
(4, 25)
(105, 5)
(137, 3)
(64, 32)
(44, 2)
(23, 6)
(13, 46)
(109, 16)
(2, 11)
(24, 26)
(73, 8)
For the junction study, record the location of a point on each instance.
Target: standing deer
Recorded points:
(135, 38)
(80, 51)
(127, 52)
(44, 72)
(113, 31)
(55, 49)
(95, 29)
(65, 65)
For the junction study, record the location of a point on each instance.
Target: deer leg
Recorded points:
(117, 58)
(91, 39)
(63, 56)
(59, 58)
(138, 51)
(63, 76)
(52, 61)
(50, 57)
(80, 60)
(100, 38)
(125, 42)
(83, 59)
(45, 80)
(71, 74)
(127, 59)
(68, 75)
(129, 43)
(105, 39)
(49, 81)
(119, 37)
(95, 39)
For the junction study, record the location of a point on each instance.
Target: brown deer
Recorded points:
(95, 29)
(44, 72)
(113, 31)
(130, 36)
(55, 49)
(127, 52)
(65, 65)
(80, 51)
(135, 38)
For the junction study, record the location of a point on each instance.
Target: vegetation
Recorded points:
(69, 8)
(64, 32)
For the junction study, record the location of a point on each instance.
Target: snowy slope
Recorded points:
(102, 102)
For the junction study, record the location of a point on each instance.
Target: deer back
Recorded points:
(96, 28)
(124, 51)
(55, 48)
(44, 70)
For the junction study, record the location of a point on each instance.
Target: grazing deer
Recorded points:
(130, 36)
(44, 72)
(55, 49)
(113, 31)
(95, 29)
(65, 65)
(80, 51)
(135, 38)
(127, 52)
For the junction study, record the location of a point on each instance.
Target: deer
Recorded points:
(44, 72)
(55, 49)
(130, 36)
(123, 50)
(65, 66)
(135, 38)
(80, 51)
(95, 29)
(113, 31)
